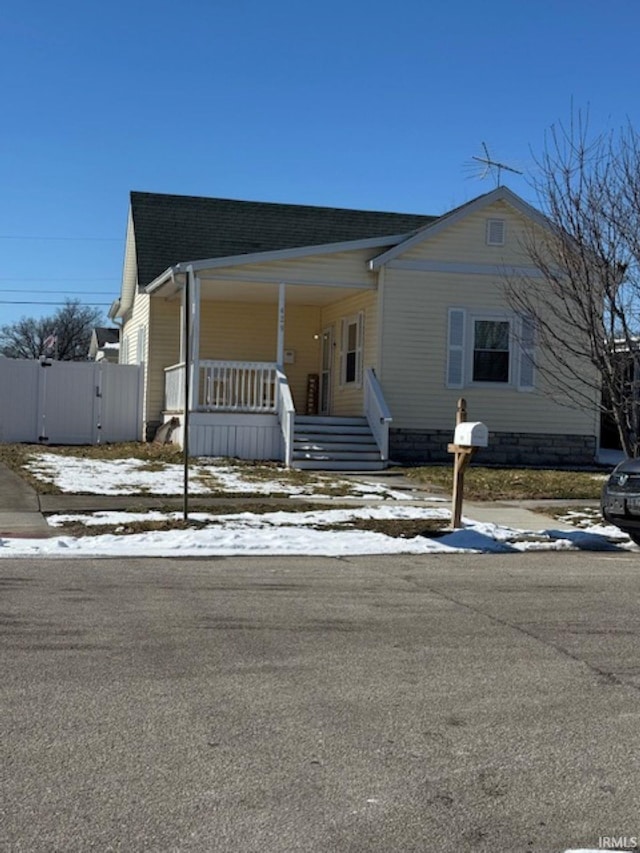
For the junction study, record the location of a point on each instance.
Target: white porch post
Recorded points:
(194, 340)
(280, 351)
(183, 349)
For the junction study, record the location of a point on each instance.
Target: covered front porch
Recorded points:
(315, 403)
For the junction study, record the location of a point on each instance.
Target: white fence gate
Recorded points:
(69, 402)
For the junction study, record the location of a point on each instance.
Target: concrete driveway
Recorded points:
(459, 703)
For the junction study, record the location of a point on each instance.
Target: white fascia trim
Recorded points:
(447, 219)
(466, 269)
(129, 270)
(163, 278)
(288, 254)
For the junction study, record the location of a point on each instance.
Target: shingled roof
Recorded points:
(170, 229)
(106, 335)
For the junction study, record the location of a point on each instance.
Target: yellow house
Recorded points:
(333, 338)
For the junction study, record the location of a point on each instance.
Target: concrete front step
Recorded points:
(320, 456)
(330, 421)
(329, 447)
(335, 444)
(306, 430)
(337, 465)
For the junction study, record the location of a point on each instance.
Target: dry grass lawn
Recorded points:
(494, 484)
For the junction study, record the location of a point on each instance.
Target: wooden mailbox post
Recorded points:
(467, 439)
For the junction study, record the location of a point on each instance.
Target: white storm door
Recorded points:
(326, 362)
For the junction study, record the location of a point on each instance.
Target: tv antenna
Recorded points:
(492, 167)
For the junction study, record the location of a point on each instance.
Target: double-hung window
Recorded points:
(351, 350)
(493, 349)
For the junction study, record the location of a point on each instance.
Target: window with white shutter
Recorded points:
(490, 349)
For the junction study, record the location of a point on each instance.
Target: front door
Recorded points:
(326, 361)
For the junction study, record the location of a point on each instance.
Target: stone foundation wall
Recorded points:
(421, 446)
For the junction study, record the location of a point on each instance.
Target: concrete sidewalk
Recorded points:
(20, 513)
(23, 510)
(522, 515)
(514, 515)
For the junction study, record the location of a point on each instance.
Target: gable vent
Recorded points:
(495, 232)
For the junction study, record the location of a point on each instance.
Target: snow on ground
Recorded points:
(275, 533)
(319, 517)
(136, 476)
(282, 533)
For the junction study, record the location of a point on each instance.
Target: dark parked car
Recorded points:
(621, 498)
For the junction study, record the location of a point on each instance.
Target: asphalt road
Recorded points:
(446, 703)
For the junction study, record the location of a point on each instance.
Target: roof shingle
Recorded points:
(170, 229)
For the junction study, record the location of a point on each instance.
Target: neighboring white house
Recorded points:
(339, 338)
(105, 344)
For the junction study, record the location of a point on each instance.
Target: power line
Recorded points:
(21, 302)
(52, 292)
(62, 278)
(33, 237)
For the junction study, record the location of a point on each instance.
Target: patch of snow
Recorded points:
(72, 474)
(282, 518)
(291, 533)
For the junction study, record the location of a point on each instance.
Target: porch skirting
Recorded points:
(414, 447)
(232, 434)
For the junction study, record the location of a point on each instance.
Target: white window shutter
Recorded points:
(526, 366)
(455, 359)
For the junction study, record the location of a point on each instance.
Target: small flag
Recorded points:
(50, 343)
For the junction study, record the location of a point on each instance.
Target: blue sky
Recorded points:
(351, 104)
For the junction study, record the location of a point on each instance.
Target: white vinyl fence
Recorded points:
(66, 402)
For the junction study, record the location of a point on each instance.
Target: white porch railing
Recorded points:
(377, 412)
(286, 414)
(237, 386)
(229, 386)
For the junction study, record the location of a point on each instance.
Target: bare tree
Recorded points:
(585, 308)
(64, 335)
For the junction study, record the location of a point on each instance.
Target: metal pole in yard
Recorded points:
(187, 371)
